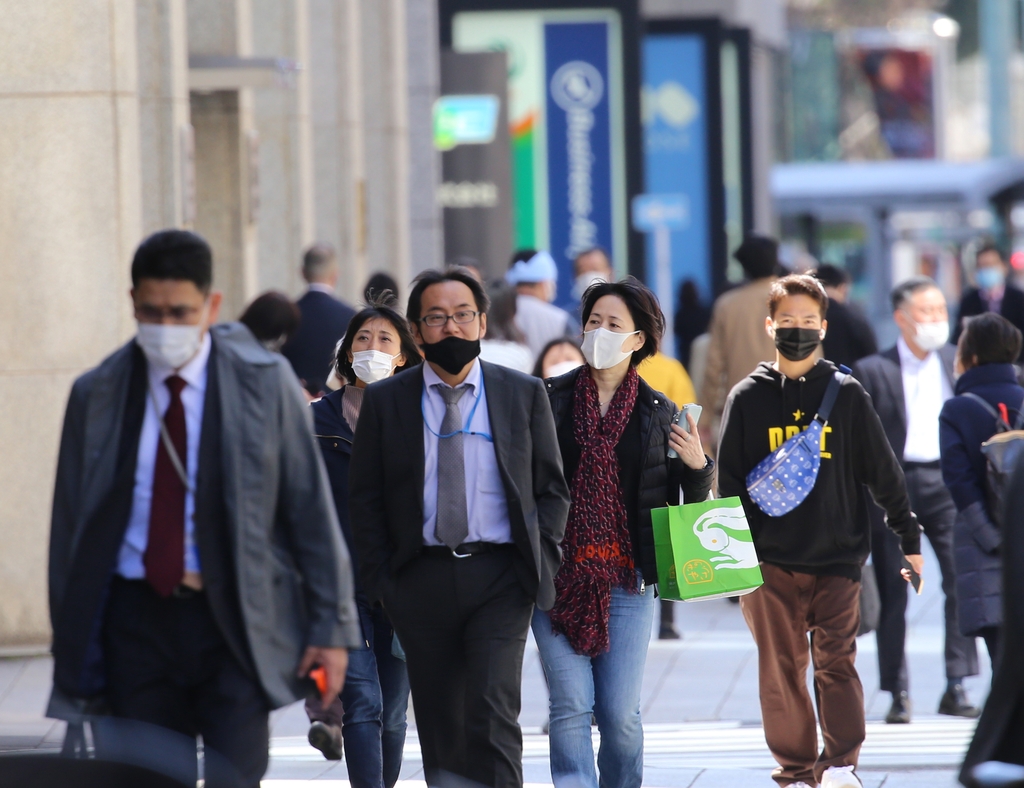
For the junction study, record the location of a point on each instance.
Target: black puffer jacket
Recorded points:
(659, 477)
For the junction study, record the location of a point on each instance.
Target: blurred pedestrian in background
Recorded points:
(558, 357)
(988, 347)
(811, 557)
(505, 343)
(458, 505)
(738, 340)
(535, 277)
(691, 320)
(592, 265)
(850, 336)
(273, 319)
(324, 319)
(197, 572)
(614, 433)
(908, 385)
(377, 285)
(370, 712)
(994, 293)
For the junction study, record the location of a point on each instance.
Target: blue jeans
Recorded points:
(375, 699)
(607, 687)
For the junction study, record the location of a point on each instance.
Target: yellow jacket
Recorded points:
(668, 376)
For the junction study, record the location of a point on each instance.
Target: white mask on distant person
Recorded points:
(562, 367)
(585, 280)
(170, 345)
(603, 348)
(931, 336)
(372, 365)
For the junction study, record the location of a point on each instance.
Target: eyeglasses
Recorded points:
(436, 320)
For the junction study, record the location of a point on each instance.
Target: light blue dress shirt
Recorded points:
(485, 493)
(133, 548)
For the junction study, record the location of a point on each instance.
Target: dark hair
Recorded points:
(271, 316)
(831, 275)
(689, 295)
(759, 256)
(377, 285)
(592, 250)
(385, 311)
(538, 368)
(317, 260)
(522, 256)
(908, 287)
(501, 319)
(434, 277)
(174, 254)
(643, 308)
(990, 339)
(990, 246)
(797, 284)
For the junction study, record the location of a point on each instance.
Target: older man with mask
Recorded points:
(197, 571)
(909, 384)
(994, 291)
(535, 278)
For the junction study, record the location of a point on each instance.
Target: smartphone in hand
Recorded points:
(680, 418)
(915, 579)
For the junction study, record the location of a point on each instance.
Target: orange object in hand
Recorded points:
(319, 675)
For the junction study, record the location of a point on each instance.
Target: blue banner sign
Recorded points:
(579, 143)
(675, 121)
(651, 211)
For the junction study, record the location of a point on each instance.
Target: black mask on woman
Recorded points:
(796, 344)
(452, 353)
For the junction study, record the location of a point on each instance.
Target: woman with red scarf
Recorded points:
(614, 432)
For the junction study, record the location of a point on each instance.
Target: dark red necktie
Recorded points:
(165, 551)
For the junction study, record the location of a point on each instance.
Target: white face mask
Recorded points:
(603, 348)
(585, 280)
(561, 368)
(372, 365)
(170, 345)
(931, 336)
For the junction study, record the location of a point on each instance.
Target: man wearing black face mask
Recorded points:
(458, 504)
(811, 558)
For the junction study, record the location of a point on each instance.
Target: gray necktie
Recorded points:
(452, 525)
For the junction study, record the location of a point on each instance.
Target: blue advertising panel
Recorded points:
(579, 143)
(675, 144)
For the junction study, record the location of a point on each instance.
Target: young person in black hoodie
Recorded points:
(811, 558)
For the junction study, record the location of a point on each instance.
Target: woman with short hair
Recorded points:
(614, 432)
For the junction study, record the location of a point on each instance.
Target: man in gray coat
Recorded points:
(196, 567)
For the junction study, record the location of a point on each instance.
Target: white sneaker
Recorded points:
(840, 777)
(800, 784)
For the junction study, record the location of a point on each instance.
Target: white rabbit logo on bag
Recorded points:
(735, 553)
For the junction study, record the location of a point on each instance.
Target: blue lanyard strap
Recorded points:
(472, 413)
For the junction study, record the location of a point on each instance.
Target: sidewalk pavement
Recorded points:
(700, 708)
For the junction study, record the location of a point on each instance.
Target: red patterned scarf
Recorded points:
(597, 550)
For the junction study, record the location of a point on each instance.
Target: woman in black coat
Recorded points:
(987, 349)
(614, 433)
(369, 715)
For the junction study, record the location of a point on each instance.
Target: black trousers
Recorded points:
(463, 624)
(936, 512)
(171, 678)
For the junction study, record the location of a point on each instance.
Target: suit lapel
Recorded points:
(894, 380)
(409, 406)
(499, 413)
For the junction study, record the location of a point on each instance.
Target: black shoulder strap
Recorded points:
(829, 400)
(1001, 425)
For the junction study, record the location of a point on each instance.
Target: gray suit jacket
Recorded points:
(386, 477)
(294, 579)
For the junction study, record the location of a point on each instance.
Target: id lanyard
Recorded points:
(463, 431)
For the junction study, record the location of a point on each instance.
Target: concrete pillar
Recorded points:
(996, 21)
(70, 219)
(168, 175)
(226, 144)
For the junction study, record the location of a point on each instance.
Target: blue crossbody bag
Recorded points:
(782, 480)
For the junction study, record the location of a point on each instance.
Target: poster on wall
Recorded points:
(901, 86)
(566, 125)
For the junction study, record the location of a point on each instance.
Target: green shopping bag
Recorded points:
(704, 551)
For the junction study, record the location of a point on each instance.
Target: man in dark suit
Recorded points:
(908, 384)
(324, 320)
(458, 505)
(993, 293)
(196, 566)
(850, 336)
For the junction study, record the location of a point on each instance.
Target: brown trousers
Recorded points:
(780, 615)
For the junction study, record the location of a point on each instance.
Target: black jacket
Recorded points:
(881, 376)
(972, 304)
(849, 337)
(658, 477)
(386, 477)
(311, 350)
(335, 439)
(828, 533)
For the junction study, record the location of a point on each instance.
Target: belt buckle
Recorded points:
(182, 591)
(460, 555)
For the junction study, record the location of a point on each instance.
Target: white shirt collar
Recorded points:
(907, 358)
(320, 287)
(431, 378)
(193, 373)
